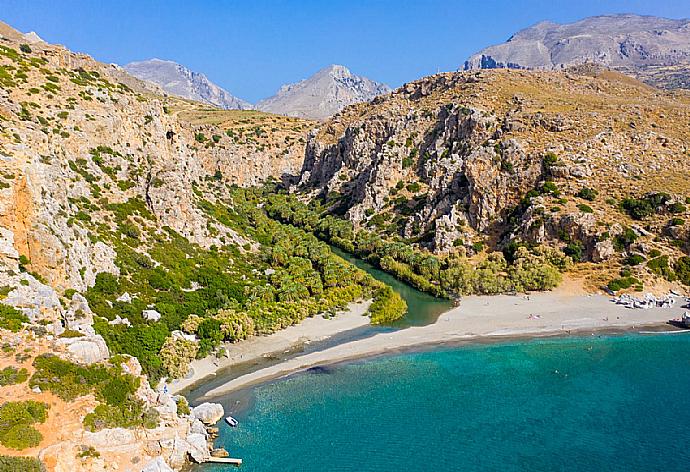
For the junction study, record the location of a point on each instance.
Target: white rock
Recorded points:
(151, 315)
(86, 350)
(177, 334)
(199, 447)
(157, 465)
(125, 298)
(209, 413)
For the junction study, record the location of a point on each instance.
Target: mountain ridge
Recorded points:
(179, 80)
(653, 49)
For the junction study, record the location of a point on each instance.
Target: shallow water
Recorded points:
(578, 404)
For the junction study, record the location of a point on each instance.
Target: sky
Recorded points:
(251, 47)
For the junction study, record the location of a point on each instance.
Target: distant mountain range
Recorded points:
(323, 94)
(655, 50)
(179, 80)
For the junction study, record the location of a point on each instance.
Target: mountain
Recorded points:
(589, 162)
(178, 80)
(109, 189)
(323, 94)
(655, 50)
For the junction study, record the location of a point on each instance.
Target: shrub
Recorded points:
(413, 187)
(585, 208)
(16, 420)
(623, 241)
(587, 194)
(660, 266)
(676, 207)
(682, 269)
(11, 318)
(387, 306)
(23, 464)
(623, 283)
(11, 376)
(177, 354)
(677, 222)
(576, 251)
(25, 48)
(634, 259)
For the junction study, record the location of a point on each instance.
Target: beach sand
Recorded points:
(312, 329)
(477, 318)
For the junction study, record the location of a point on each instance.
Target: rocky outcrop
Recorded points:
(456, 161)
(208, 413)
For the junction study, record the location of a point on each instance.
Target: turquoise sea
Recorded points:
(599, 403)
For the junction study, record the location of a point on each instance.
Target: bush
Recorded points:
(16, 420)
(623, 241)
(587, 194)
(660, 266)
(634, 259)
(11, 376)
(682, 269)
(387, 306)
(576, 251)
(25, 48)
(23, 464)
(676, 222)
(585, 208)
(642, 208)
(623, 283)
(11, 318)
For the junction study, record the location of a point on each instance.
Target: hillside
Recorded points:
(129, 246)
(655, 50)
(179, 80)
(589, 161)
(323, 94)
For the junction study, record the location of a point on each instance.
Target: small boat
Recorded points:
(232, 421)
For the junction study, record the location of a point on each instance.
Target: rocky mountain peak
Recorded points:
(178, 80)
(323, 94)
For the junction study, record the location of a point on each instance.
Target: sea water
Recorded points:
(596, 403)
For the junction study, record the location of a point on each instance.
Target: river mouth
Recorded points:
(423, 309)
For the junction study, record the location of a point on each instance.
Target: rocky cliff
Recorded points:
(656, 50)
(323, 94)
(97, 168)
(178, 80)
(464, 161)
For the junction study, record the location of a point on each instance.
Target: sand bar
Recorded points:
(480, 317)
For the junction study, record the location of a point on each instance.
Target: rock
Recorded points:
(157, 465)
(36, 389)
(109, 437)
(151, 315)
(85, 350)
(208, 413)
(177, 334)
(197, 427)
(119, 320)
(125, 298)
(198, 449)
(602, 251)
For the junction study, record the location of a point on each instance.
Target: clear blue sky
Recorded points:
(252, 47)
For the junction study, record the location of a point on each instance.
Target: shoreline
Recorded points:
(256, 348)
(478, 319)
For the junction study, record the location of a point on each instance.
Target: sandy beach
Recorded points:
(309, 330)
(478, 317)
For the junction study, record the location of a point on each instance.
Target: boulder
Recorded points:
(124, 298)
(157, 465)
(198, 449)
(86, 350)
(151, 315)
(208, 413)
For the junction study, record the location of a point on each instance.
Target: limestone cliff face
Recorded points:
(78, 136)
(448, 160)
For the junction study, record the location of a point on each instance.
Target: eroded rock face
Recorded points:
(157, 465)
(208, 413)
